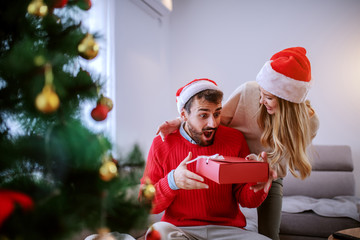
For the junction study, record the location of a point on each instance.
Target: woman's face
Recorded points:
(269, 101)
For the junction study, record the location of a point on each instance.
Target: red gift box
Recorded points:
(226, 170)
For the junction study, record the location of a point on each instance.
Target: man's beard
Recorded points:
(197, 136)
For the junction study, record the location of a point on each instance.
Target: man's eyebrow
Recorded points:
(203, 109)
(208, 110)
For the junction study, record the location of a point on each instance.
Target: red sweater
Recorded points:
(217, 205)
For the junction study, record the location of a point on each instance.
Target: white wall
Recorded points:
(141, 66)
(229, 41)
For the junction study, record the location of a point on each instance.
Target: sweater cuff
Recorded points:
(164, 188)
(171, 180)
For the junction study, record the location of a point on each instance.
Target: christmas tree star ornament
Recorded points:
(37, 8)
(88, 48)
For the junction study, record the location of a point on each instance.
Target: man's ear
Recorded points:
(183, 115)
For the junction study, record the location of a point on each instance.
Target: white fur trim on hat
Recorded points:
(191, 90)
(282, 86)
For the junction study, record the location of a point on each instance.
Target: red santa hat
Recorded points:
(192, 88)
(287, 75)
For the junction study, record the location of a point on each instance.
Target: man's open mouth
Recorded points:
(208, 133)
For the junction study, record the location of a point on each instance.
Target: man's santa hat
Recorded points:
(192, 88)
(287, 75)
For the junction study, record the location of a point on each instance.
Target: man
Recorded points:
(196, 207)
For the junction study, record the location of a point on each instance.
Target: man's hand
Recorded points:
(272, 176)
(168, 127)
(186, 179)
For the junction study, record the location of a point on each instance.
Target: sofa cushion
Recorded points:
(310, 224)
(332, 174)
(331, 158)
(321, 184)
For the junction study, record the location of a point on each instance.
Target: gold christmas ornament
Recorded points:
(37, 8)
(47, 101)
(148, 191)
(106, 101)
(108, 171)
(88, 48)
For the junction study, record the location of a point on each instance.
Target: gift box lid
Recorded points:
(233, 160)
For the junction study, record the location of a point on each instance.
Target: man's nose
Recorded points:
(211, 122)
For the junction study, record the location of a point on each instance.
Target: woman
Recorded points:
(283, 124)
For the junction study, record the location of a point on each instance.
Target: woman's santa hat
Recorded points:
(287, 75)
(192, 88)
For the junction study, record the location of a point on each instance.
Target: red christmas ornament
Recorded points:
(153, 235)
(99, 113)
(8, 200)
(60, 3)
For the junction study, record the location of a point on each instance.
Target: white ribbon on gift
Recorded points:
(214, 157)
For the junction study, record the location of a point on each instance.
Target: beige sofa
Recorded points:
(329, 191)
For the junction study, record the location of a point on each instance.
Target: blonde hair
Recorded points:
(287, 133)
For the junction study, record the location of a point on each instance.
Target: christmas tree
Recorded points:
(57, 176)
